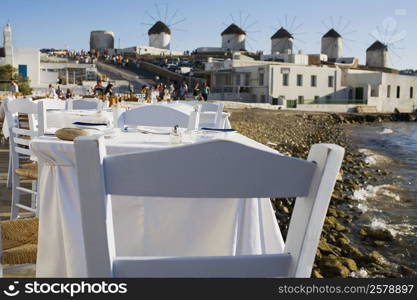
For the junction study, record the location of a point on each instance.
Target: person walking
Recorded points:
(205, 91)
(14, 88)
(196, 91)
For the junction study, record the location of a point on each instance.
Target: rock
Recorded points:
(316, 274)
(331, 221)
(342, 242)
(362, 232)
(378, 243)
(324, 246)
(377, 258)
(340, 227)
(349, 263)
(380, 234)
(333, 267)
(407, 271)
(353, 252)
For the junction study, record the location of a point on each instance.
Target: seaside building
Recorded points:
(25, 60)
(332, 45)
(282, 42)
(159, 44)
(159, 36)
(31, 64)
(293, 80)
(101, 40)
(233, 38)
(377, 55)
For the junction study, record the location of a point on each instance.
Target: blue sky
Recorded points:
(62, 24)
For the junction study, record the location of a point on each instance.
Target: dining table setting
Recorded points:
(157, 226)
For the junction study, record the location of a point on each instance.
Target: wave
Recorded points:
(372, 157)
(362, 273)
(395, 229)
(370, 192)
(386, 131)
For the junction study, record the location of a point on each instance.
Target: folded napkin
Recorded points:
(218, 129)
(89, 124)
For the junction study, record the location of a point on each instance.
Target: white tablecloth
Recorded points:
(60, 119)
(144, 226)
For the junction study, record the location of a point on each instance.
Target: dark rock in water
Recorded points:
(333, 267)
(340, 227)
(377, 258)
(406, 271)
(324, 247)
(316, 274)
(349, 263)
(362, 232)
(378, 243)
(379, 234)
(353, 252)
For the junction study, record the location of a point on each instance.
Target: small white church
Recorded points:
(25, 60)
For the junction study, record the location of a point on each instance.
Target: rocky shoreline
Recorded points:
(346, 249)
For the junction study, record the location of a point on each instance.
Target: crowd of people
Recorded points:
(174, 91)
(59, 93)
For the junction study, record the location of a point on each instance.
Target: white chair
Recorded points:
(87, 104)
(19, 139)
(160, 115)
(44, 105)
(212, 113)
(244, 172)
(6, 130)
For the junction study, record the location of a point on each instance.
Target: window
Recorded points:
(313, 80)
(299, 80)
(237, 78)
(398, 92)
(331, 81)
(300, 99)
(261, 78)
(316, 97)
(389, 91)
(285, 79)
(411, 92)
(247, 78)
(262, 98)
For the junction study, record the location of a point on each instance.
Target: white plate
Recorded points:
(154, 130)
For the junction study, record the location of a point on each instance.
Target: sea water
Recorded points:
(390, 201)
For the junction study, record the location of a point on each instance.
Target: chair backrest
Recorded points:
(219, 115)
(244, 172)
(85, 104)
(161, 115)
(44, 105)
(20, 137)
(205, 106)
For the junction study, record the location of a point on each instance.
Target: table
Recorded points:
(144, 226)
(56, 119)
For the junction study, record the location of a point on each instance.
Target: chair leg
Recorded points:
(10, 173)
(15, 197)
(34, 197)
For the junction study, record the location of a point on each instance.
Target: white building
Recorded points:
(233, 38)
(282, 42)
(159, 36)
(377, 55)
(285, 84)
(145, 50)
(332, 45)
(101, 40)
(25, 60)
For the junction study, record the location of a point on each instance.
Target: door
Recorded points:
(23, 71)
